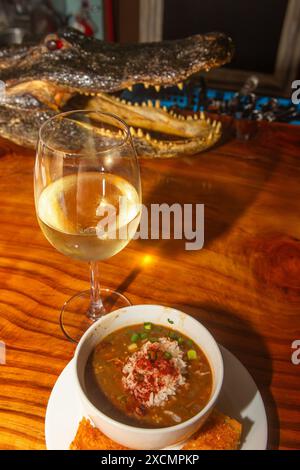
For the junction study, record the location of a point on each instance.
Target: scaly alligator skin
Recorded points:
(70, 71)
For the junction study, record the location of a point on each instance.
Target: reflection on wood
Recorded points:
(244, 285)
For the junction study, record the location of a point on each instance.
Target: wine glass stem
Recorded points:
(96, 308)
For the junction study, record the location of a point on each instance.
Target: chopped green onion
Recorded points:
(191, 354)
(153, 340)
(173, 335)
(180, 340)
(190, 343)
(135, 337)
(170, 321)
(132, 347)
(143, 335)
(168, 355)
(148, 326)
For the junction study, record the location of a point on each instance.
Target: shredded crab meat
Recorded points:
(154, 373)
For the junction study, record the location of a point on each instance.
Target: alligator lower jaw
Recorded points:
(155, 130)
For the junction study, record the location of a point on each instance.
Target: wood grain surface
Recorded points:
(244, 285)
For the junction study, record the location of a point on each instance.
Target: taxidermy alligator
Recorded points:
(70, 71)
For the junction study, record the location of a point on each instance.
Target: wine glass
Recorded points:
(88, 201)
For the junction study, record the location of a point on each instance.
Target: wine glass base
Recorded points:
(74, 320)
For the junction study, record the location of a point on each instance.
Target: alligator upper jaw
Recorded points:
(89, 65)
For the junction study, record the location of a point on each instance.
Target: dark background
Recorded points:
(254, 25)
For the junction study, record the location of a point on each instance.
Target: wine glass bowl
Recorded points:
(87, 199)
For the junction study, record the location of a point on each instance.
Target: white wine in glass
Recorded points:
(88, 201)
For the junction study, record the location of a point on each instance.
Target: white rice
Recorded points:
(148, 384)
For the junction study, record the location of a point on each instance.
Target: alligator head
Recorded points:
(70, 71)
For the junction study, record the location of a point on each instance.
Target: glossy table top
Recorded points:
(244, 285)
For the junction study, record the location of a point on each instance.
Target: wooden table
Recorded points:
(244, 285)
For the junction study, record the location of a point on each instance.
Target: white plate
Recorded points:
(239, 399)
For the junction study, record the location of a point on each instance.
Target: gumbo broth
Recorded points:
(149, 376)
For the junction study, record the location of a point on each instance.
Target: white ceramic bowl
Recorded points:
(135, 437)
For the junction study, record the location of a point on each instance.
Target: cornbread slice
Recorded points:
(220, 432)
(90, 438)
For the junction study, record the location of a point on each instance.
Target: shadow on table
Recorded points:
(226, 197)
(226, 183)
(239, 337)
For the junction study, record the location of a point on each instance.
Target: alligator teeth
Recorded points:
(214, 123)
(130, 87)
(146, 85)
(86, 93)
(157, 104)
(210, 136)
(165, 109)
(144, 104)
(132, 131)
(157, 88)
(189, 118)
(148, 137)
(140, 132)
(208, 121)
(180, 85)
(150, 104)
(202, 115)
(218, 128)
(196, 117)
(123, 101)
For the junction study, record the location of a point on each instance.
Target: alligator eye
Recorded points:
(54, 44)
